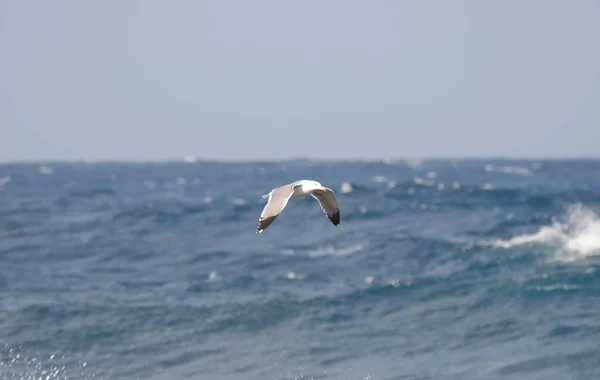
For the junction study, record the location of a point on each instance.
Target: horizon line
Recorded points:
(190, 159)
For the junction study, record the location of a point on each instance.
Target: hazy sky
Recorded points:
(323, 79)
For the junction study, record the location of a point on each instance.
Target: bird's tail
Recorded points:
(266, 196)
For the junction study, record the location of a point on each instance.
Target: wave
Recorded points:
(576, 238)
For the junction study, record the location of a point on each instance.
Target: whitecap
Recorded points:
(331, 250)
(576, 238)
(414, 163)
(546, 234)
(294, 276)
(239, 201)
(549, 288)
(346, 188)
(421, 181)
(47, 170)
(396, 282)
(4, 180)
(519, 170)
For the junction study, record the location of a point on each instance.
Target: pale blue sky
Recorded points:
(139, 80)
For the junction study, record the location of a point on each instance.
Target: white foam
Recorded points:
(544, 235)
(47, 170)
(379, 178)
(520, 170)
(550, 288)
(294, 276)
(330, 250)
(578, 237)
(415, 163)
(346, 188)
(396, 283)
(4, 180)
(421, 181)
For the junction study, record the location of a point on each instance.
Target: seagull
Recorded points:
(279, 196)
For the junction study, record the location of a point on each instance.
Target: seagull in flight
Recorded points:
(279, 197)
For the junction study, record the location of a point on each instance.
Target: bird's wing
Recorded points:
(278, 198)
(329, 204)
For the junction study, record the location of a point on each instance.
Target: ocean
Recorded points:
(440, 269)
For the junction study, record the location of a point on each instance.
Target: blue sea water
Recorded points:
(466, 269)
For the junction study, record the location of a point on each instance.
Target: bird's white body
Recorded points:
(302, 188)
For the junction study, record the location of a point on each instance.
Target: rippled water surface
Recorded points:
(439, 270)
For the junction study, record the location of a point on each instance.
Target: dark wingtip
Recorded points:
(264, 223)
(335, 219)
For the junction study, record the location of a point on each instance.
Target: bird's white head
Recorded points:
(308, 186)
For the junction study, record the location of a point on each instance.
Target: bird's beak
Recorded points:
(324, 189)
